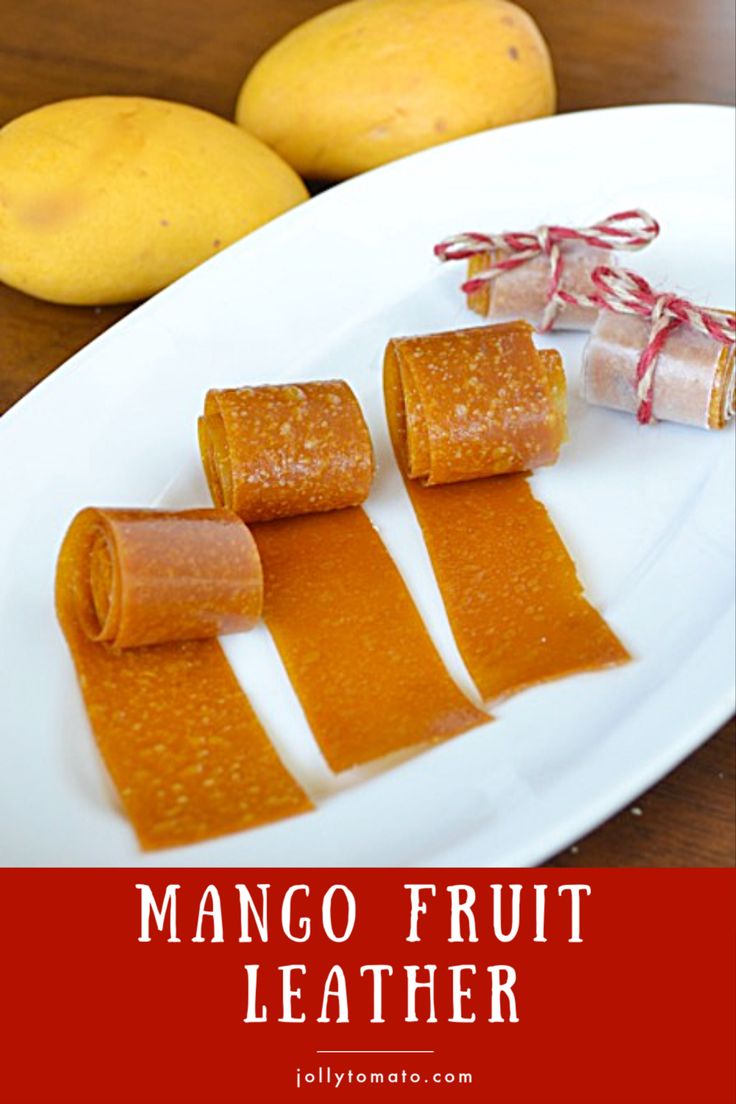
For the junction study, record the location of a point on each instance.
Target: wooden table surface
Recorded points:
(630, 51)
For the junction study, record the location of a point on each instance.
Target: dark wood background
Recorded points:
(605, 52)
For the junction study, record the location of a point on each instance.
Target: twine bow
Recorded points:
(628, 230)
(618, 289)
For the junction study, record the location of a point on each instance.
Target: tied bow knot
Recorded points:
(628, 230)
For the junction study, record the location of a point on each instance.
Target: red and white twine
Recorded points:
(628, 230)
(618, 289)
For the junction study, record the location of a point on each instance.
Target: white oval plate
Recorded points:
(646, 512)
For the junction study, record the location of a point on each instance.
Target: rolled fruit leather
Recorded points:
(280, 450)
(468, 412)
(151, 576)
(522, 292)
(297, 459)
(694, 375)
(141, 596)
(477, 402)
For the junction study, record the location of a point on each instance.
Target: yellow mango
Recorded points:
(371, 80)
(109, 198)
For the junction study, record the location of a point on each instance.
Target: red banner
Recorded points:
(255, 985)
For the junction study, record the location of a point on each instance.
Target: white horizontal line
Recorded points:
(374, 1052)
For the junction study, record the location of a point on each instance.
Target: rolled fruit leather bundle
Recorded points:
(141, 596)
(544, 276)
(150, 576)
(297, 460)
(659, 356)
(468, 413)
(522, 292)
(286, 449)
(477, 402)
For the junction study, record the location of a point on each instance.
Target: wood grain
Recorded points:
(605, 53)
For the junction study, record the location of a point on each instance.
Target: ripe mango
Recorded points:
(371, 80)
(107, 199)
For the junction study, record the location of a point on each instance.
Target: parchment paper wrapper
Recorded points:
(694, 375)
(521, 292)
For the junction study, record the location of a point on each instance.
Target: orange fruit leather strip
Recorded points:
(362, 664)
(515, 604)
(365, 670)
(187, 754)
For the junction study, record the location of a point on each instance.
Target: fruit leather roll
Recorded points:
(475, 403)
(694, 378)
(298, 460)
(278, 451)
(522, 292)
(149, 577)
(141, 595)
(465, 411)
